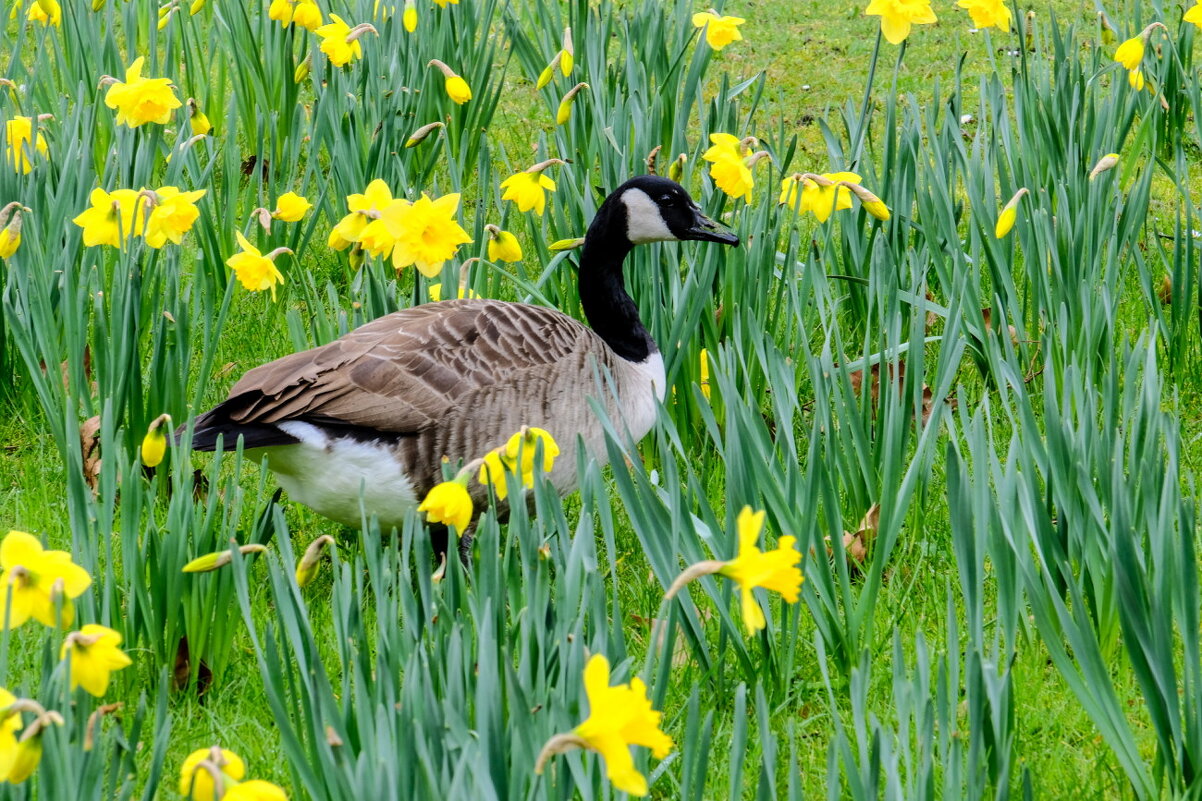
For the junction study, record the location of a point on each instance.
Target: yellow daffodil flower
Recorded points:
(340, 42)
(10, 232)
(567, 56)
(443, 3)
(154, 444)
(196, 783)
(29, 755)
(456, 88)
(172, 216)
(988, 13)
(197, 120)
(95, 653)
(365, 209)
(196, 6)
(719, 30)
(409, 17)
(427, 233)
(30, 574)
(728, 156)
(871, 203)
(492, 474)
(291, 207)
(420, 135)
(255, 790)
(502, 245)
(897, 16)
(1130, 53)
(823, 195)
(527, 189)
(564, 112)
(774, 570)
(1194, 15)
(9, 726)
(306, 14)
(281, 12)
(619, 717)
(113, 218)
(141, 100)
(450, 503)
(46, 12)
(520, 452)
(219, 559)
(1008, 215)
(1135, 79)
(255, 271)
(704, 377)
(565, 244)
(435, 293)
(20, 145)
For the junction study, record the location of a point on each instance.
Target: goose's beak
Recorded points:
(706, 230)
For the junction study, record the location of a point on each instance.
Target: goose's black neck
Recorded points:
(607, 306)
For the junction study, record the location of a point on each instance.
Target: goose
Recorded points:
(364, 423)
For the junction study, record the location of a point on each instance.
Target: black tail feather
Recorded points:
(215, 425)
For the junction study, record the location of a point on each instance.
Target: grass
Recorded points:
(806, 706)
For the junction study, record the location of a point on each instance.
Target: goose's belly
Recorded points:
(333, 475)
(330, 474)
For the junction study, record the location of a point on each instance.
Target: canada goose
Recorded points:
(373, 413)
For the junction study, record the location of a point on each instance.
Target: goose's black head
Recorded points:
(654, 209)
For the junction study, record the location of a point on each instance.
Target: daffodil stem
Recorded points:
(862, 122)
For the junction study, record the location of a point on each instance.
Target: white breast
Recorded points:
(329, 474)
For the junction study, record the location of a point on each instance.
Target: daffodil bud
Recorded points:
(301, 72)
(409, 17)
(564, 113)
(218, 559)
(1107, 162)
(263, 217)
(306, 569)
(548, 72)
(196, 6)
(1008, 214)
(154, 444)
(419, 136)
(502, 245)
(197, 119)
(567, 56)
(456, 88)
(29, 754)
(10, 229)
(565, 244)
(676, 168)
(871, 203)
(97, 4)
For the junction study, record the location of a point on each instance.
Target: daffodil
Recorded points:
(443, 3)
(521, 448)
(704, 377)
(195, 781)
(29, 755)
(871, 203)
(564, 112)
(95, 654)
(255, 271)
(427, 233)
(219, 559)
(281, 12)
(365, 209)
(821, 194)
(456, 88)
(141, 100)
(619, 717)
(172, 216)
(528, 189)
(113, 218)
(897, 16)
(988, 13)
(255, 790)
(448, 502)
(502, 245)
(492, 474)
(20, 144)
(10, 230)
(291, 207)
(1104, 164)
(728, 156)
(1009, 213)
(1130, 53)
(46, 12)
(409, 17)
(719, 30)
(306, 14)
(154, 444)
(197, 120)
(1135, 79)
(420, 135)
(1194, 15)
(10, 724)
(774, 570)
(34, 578)
(340, 42)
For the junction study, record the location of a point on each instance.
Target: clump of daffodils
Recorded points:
(216, 773)
(158, 216)
(139, 100)
(824, 194)
(1130, 54)
(423, 233)
(37, 582)
(774, 570)
(620, 716)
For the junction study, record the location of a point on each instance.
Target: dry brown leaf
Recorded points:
(89, 447)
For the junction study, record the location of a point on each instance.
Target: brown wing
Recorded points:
(404, 371)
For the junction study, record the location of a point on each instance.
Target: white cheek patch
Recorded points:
(644, 223)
